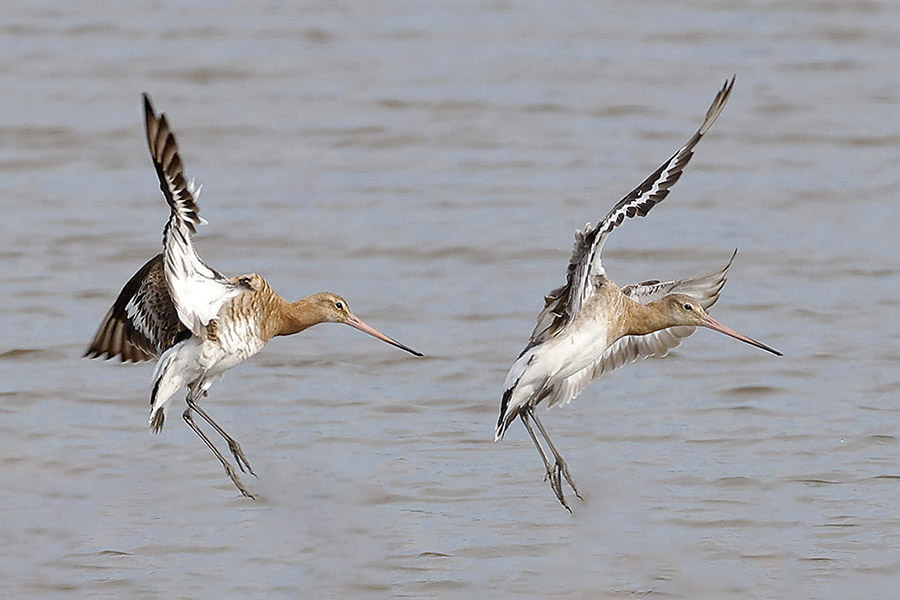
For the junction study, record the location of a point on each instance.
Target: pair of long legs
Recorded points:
(555, 471)
(239, 458)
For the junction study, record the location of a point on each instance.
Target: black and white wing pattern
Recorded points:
(142, 323)
(563, 303)
(197, 290)
(628, 349)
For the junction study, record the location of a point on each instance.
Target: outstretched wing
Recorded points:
(704, 289)
(197, 290)
(142, 323)
(628, 349)
(563, 303)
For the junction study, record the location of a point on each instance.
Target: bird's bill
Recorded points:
(356, 322)
(708, 321)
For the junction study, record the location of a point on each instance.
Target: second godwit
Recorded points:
(198, 322)
(590, 326)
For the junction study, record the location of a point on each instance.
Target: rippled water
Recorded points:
(429, 161)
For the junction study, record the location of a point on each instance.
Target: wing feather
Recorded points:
(705, 288)
(143, 322)
(197, 290)
(563, 303)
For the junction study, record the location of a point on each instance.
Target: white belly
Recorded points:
(553, 361)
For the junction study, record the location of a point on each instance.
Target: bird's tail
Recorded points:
(174, 370)
(504, 420)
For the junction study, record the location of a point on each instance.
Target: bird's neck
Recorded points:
(644, 319)
(297, 316)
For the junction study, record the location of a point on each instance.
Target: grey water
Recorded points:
(430, 161)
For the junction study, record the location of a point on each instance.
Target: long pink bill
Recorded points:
(708, 321)
(354, 321)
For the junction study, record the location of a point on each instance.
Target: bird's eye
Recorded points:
(339, 305)
(688, 307)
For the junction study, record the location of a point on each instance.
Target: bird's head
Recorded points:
(332, 308)
(682, 309)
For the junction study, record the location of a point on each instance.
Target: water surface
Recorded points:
(430, 162)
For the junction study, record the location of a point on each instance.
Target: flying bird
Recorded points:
(589, 326)
(196, 321)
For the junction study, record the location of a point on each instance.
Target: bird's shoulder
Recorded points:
(251, 281)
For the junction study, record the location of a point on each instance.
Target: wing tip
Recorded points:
(151, 121)
(180, 193)
(124, 356)
(718, 104)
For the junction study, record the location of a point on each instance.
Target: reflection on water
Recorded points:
(430, 163)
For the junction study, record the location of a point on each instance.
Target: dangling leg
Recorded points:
(560, 463)
(552, 473)
(235, 448)
(228, 468)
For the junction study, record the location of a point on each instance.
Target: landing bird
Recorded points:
(590, 326)
(196, 321)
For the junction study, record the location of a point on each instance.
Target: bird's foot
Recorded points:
(237, 481)
(562, 468)
(553, 476)
(239, 457)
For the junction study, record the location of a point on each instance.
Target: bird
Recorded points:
(589, 326)
(194, 320)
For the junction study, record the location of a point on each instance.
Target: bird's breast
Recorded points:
(577, 348)
(236, 341)
(574, 349)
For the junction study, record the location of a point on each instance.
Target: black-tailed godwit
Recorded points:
(198, 322)
(590, 326)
